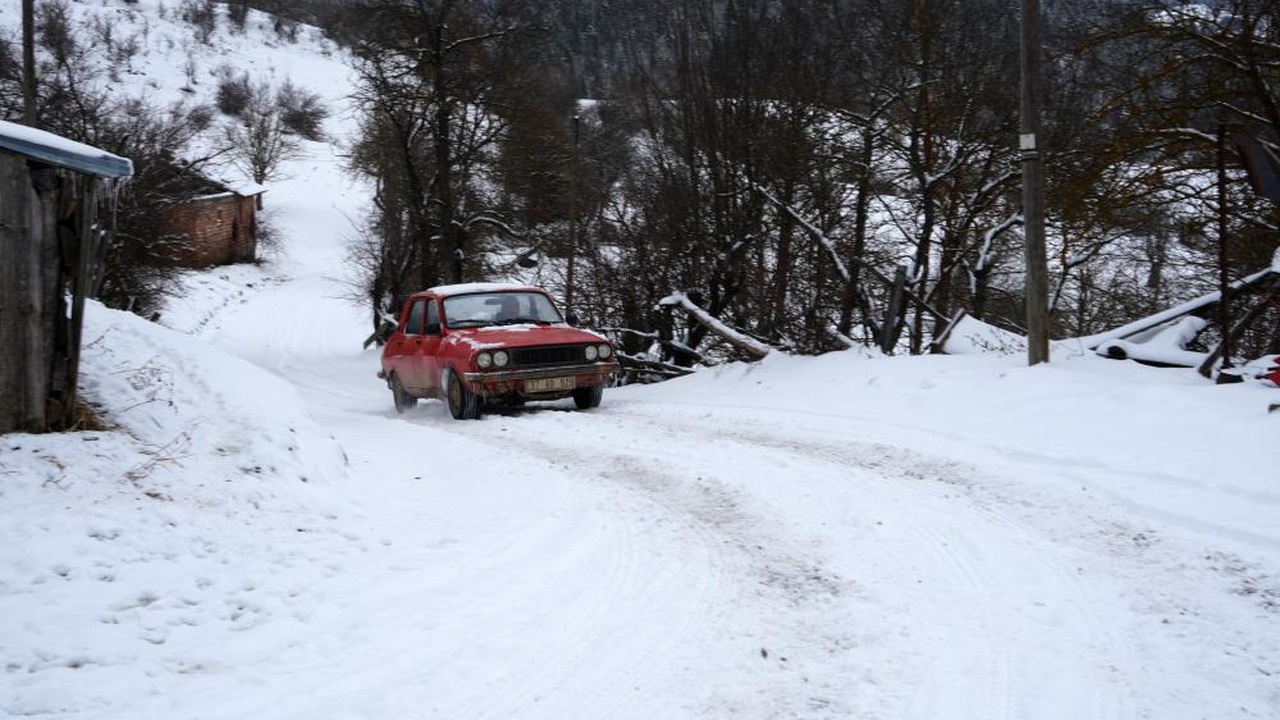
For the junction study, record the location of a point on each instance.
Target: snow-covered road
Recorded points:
(735, 547)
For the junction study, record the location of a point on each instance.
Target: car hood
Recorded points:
(509, 336)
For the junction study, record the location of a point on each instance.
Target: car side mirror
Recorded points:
(433, 328)
(571, 318)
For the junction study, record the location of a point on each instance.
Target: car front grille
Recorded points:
(548, 356)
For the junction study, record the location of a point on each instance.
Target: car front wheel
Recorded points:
(588, 397)
(400, 396)
(463, 404)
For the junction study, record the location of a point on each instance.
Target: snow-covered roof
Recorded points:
(243, 188)
(64, 153)
(468, 288)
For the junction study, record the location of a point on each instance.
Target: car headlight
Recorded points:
(605, 352)
(501, 358)
(592, 353)
(484, 360)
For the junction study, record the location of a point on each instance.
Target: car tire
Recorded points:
(463, 404)
(588, 397)
(401, 397)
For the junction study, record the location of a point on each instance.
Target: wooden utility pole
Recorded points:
(29, 63)
(1224, 275)
(1037, 275)
(573, 218)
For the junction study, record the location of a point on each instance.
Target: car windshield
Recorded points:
(499, 308)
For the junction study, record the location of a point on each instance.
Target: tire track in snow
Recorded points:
(1012, 675)
(998, 682)
(531, 649)
(748, 565)
(573, 644)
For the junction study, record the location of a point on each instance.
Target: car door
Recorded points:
(405, 345)
(428, 350)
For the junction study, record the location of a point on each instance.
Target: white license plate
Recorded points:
(553, 384)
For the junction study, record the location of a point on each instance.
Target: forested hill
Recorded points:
(780, 162)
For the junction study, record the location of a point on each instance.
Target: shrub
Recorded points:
(202, 16)
(234, 92)
(301, 112)
(237, 14)
(200, 117)
(53, 25)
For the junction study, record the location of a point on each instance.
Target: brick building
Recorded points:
(217, 228)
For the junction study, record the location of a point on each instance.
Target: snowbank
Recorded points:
(131, 553)
(176, 393)
(970, 336)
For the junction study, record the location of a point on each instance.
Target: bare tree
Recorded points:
(258, 143)
(435, 91)
(1143, 100)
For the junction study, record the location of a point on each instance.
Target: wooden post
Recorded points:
(892, 325)
(1037, 278)
(1223, 350)
(85, 227)
(29, 63)
(573, 220)
(24, 357)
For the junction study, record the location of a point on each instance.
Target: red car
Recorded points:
(476, 343)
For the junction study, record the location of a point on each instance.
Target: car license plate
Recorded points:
(553, 384)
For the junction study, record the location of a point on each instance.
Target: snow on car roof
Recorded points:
(467, 288)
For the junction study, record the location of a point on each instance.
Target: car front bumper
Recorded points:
(491, 382)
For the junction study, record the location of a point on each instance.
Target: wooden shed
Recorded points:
(51, 245)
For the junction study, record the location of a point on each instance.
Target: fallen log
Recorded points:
(746, 344)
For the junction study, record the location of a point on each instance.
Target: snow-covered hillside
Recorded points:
(845, 536)
(150, 50)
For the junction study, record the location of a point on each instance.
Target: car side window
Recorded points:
(413, 325)
(433, 318)
(544, 309)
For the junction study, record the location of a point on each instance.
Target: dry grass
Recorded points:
(87, 419)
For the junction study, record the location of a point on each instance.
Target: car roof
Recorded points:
(471, 288)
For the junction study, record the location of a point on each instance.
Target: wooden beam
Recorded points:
(86, 215)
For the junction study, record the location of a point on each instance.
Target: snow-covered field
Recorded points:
(262, 536)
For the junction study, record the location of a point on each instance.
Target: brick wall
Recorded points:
(212, 230)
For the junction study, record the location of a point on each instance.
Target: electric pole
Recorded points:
(29, 63)
(1037, 275)
(573, 218)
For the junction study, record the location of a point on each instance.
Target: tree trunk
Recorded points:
(449, 238)
(923, 160)
(861, 211)
(782, 271)
(923, 253)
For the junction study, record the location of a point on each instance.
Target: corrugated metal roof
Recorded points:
(61, 152)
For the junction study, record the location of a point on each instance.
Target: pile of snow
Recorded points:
(219, 414)
(970, 336)
(205, 509)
